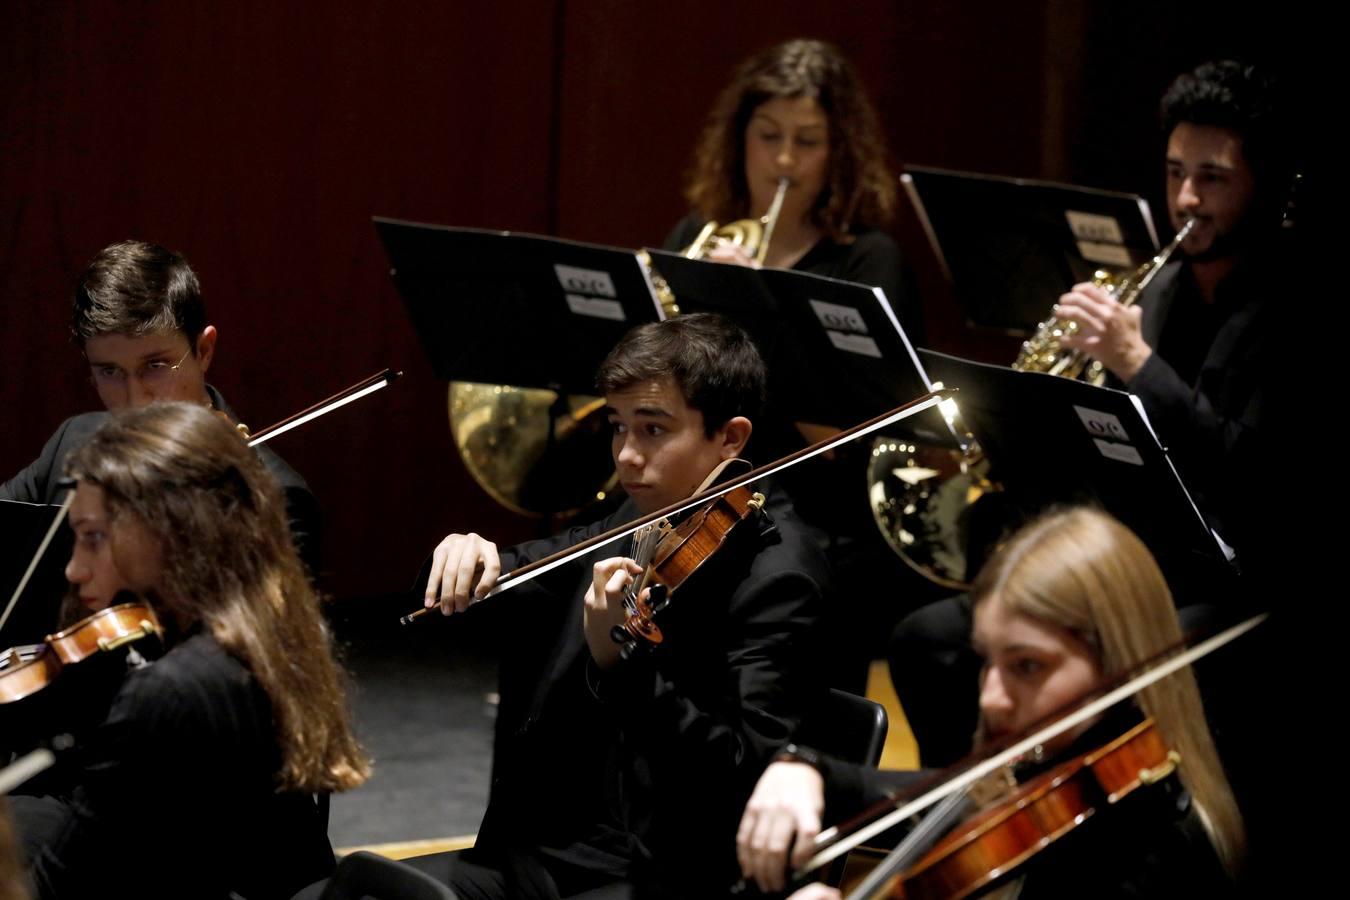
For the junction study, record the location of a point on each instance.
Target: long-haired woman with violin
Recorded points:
(201, 779)
(1070, 600)
(798, 111)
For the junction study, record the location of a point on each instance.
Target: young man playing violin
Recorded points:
(615, 775)
(139, 318)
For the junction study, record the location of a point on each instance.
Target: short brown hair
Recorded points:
(135, 288)
(713, 361)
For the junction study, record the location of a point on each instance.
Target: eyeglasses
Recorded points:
(155, 373)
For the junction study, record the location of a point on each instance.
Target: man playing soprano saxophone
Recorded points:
(1197, 349)
(1193, 348)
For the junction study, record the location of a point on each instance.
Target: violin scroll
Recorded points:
(639, 629)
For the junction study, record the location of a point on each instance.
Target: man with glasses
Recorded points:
(141, 322)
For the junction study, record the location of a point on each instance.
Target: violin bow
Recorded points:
(951, 810)
(41, 551)
(548, 563)
(24, 768)
(322, 408)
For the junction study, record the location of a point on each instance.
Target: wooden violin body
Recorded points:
(681, 552)
(997, 840)
(66, 683)
(26, 670)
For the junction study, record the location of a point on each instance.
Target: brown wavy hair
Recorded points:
(182, 474)
(1081, 570)
(859, 188)
(11, 874)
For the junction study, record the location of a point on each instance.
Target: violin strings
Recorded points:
(645, 540)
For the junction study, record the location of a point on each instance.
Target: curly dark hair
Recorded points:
(1229, 94)
(860, 189)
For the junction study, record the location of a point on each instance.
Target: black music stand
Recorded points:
(1054, 440)
(837, 354)
(22, 527)
(1010, 246)
(497, 307)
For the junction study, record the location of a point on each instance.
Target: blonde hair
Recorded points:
(1081, 570)
(219, 520)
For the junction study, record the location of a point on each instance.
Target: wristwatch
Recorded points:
(797, 753)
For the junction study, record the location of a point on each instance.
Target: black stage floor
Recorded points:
(423, 698)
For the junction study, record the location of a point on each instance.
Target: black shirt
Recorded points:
(176, 793)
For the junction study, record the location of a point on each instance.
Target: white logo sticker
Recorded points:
(855, 343)
(839, 318)
(1092, 227)
(595, 307)
(1102, 424)
(595, 282)
(1122, 452)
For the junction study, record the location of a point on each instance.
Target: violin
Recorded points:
(836, 841)
(66, 684)
(1001, 837)
(26, 670)
(678, 554)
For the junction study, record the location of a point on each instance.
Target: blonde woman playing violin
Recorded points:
(1072, 598)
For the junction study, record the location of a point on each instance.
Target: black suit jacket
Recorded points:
(1212, 428)
(39, 481)
(637, 771)
(175, 793)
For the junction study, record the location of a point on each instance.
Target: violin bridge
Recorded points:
(993, 787)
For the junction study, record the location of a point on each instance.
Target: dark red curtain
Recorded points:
(259, 138)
